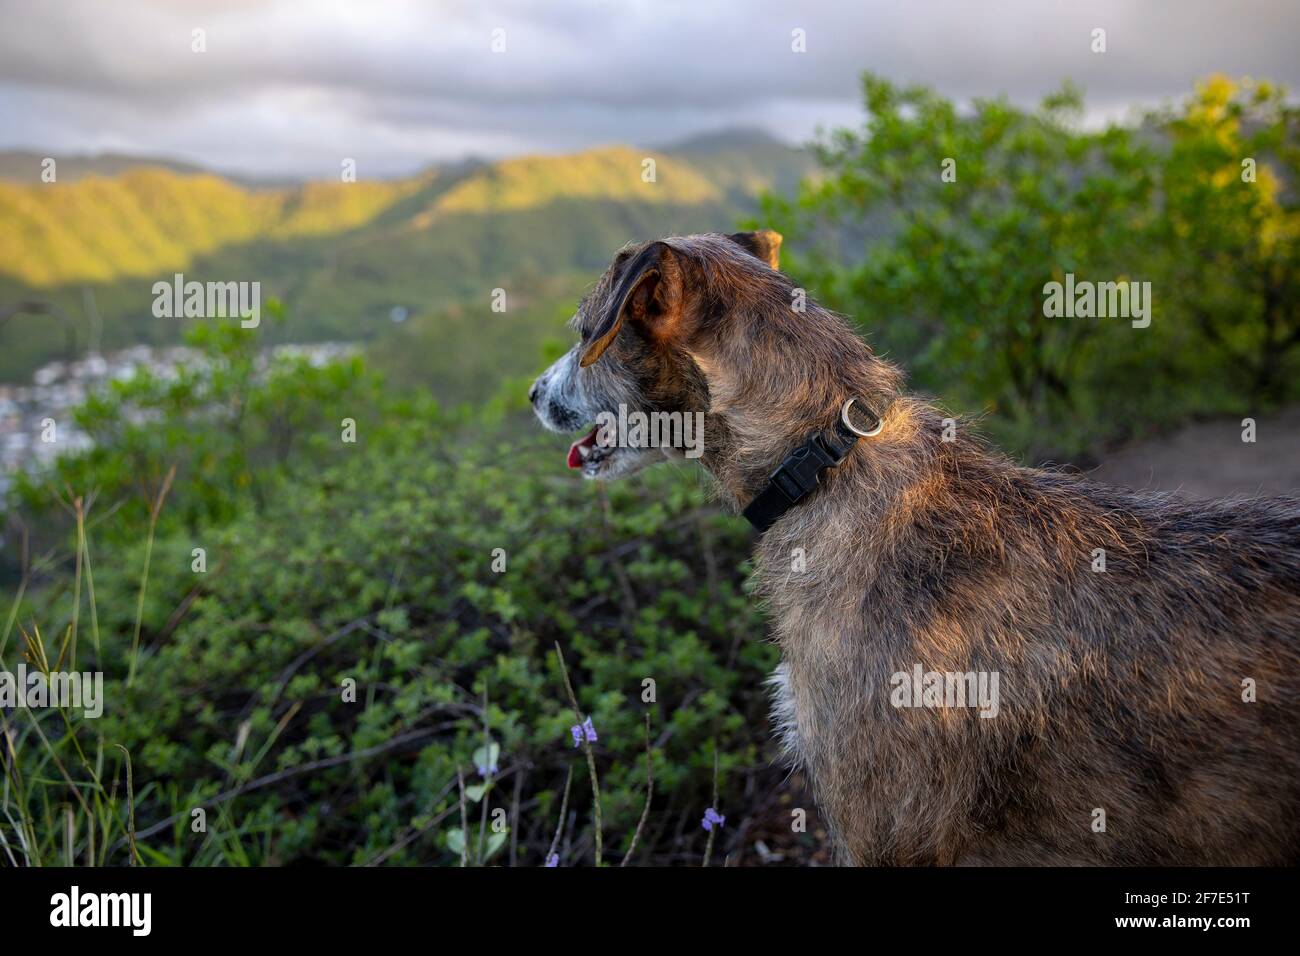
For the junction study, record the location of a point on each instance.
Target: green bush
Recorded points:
(373, 562)
(937, 229)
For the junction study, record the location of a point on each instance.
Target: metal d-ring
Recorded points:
(844, 417)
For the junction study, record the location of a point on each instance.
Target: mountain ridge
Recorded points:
(343, 256)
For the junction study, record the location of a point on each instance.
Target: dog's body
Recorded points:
(1149, 712)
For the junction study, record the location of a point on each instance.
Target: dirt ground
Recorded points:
(1209, 459)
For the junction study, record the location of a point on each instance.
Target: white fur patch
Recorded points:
(784, 721)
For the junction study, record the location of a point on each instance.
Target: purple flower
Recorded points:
(553, 860)
(484, 770)
(583, 730)
(712, 819)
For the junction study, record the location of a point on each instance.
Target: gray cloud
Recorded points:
(288, 86)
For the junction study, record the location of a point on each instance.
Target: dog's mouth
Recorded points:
(582, 449)
(588, 454)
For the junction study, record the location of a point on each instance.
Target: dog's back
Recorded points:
(1146, 650)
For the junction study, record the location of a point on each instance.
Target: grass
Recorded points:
(47, 803)
(54, 818)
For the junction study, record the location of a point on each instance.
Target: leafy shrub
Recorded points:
(373, 562)
(937, 229)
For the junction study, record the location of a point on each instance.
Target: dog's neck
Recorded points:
(770, 389)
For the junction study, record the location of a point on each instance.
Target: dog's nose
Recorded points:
(532, 394)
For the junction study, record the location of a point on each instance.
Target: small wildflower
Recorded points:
(583, 730)
(553, 860)
(712, 818)
(485, 759)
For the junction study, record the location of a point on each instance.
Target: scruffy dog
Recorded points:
(982, 663)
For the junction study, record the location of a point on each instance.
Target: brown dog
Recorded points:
(982, 663)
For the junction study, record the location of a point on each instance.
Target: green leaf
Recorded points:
(456, 840)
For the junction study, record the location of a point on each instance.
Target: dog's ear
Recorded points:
(764, 244)
(648, 291)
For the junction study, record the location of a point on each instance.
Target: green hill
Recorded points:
(343, 256)
(27, 166)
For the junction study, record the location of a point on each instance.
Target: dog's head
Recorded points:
(645, 332)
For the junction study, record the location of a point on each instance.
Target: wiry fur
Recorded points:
(1120, 690)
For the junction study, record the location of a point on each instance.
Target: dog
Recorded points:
(1143, 649)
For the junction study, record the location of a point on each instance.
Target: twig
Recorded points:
(649, 792)
(708, 847)
(586, 748)
(487, 779)
(514, 819)
(564, 807)
(464, 819)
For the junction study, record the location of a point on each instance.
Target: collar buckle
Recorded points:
(800, 472)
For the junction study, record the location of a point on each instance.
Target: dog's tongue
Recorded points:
(575, 456)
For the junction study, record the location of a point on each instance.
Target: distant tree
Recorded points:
(943, 227)
(1231, 223)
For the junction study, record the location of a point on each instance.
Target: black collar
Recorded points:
(800, 473)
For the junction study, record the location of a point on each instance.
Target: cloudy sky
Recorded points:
(287, 87)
